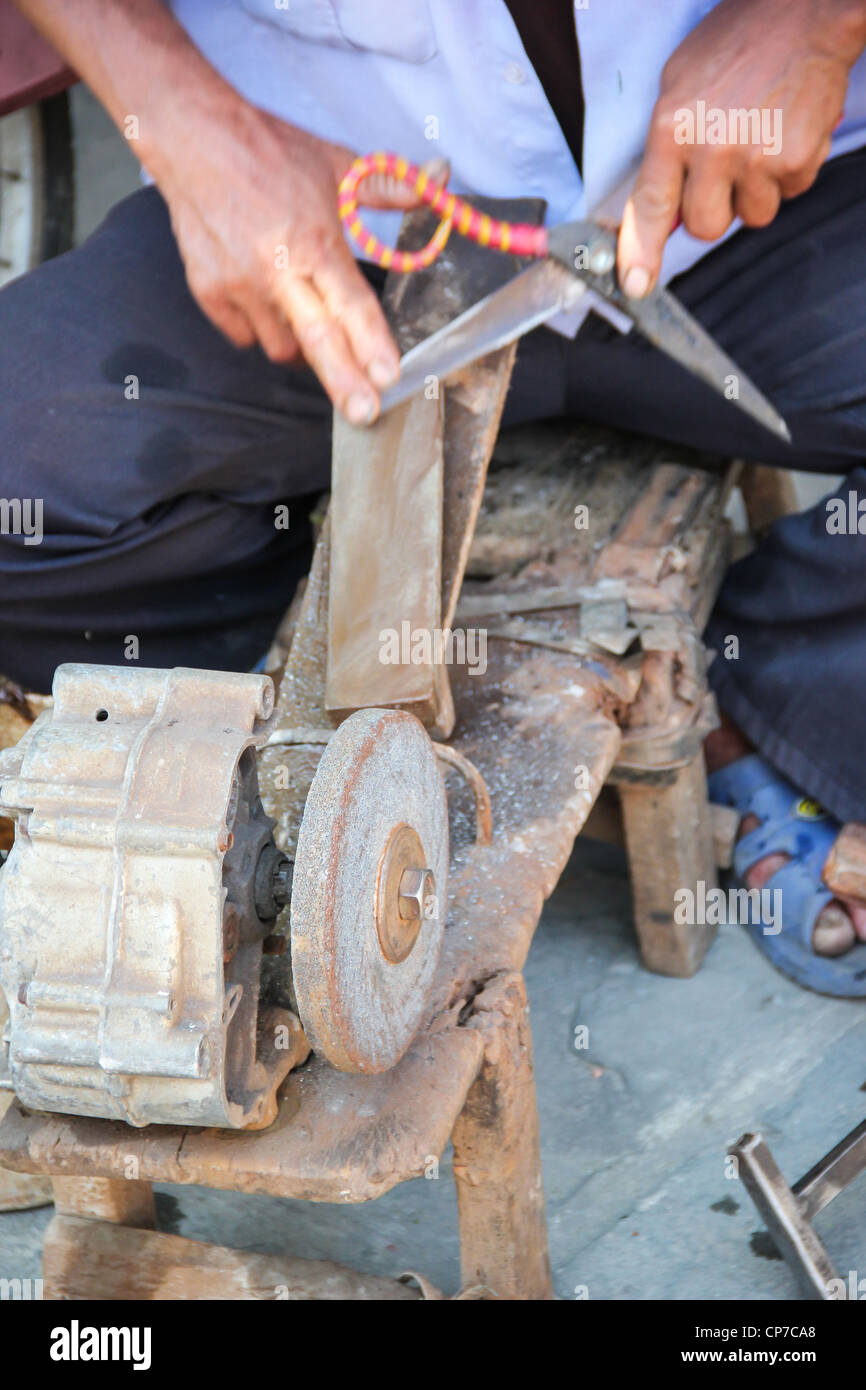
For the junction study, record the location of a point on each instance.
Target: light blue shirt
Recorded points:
(451, 77)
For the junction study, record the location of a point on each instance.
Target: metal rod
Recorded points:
(784, 1218)
(832, 1173)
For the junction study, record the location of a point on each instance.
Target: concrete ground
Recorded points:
(634, 1127)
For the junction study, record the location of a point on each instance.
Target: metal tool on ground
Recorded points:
(788, 1212)
(575, 257)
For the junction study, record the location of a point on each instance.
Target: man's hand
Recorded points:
(789, 59)
(254, 211)
(253, 201)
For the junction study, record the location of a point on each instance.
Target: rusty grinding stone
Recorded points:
(365, 936)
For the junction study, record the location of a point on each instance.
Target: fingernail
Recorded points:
(361, 409)
(383, 374)
(636, 282)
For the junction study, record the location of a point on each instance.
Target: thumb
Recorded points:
(648, 220)
(386, 191)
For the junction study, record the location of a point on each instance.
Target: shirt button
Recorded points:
(514, 73)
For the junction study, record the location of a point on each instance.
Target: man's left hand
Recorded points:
(787, 58)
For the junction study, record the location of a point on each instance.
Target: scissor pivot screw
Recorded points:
(601, 259)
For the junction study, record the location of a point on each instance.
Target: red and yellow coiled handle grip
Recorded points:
(520, 238)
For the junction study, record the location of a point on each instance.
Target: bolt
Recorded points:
(273, 882)
(417, 887)
(601, 258)
(283, 874)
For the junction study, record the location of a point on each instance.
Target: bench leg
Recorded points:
(105, 1202)
(669, 839)
(497, 1161)
(107, 1199)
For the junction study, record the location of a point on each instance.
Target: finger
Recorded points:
(799, 156)
(387, 191)
(648, 218)
(708, 199)
(274, 335)
(326, 348)
(799, 178)
(228, 318)
(757, 198)
(350, 300)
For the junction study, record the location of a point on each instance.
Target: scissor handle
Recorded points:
(520, 238)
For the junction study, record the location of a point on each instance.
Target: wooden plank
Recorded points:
(95, 1260)
(21, 1191)
(337, 1138)
(497, 1159)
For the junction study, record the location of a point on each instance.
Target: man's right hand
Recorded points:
(253, 201)
(254, 211)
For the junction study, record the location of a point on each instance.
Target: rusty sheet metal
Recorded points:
(400, 547)
(386, 563)
(474, 397)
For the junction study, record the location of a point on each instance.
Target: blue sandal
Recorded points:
(790, 824)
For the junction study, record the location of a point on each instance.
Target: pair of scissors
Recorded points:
(569, 259)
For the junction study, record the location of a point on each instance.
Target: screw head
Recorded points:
(601, 259)
(283, 874)
(416, 889)
(403, 891)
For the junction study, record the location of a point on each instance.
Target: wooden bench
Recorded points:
(594, 675)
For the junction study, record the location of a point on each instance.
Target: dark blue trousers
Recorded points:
(160, 453)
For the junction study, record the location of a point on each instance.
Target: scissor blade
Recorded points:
(664, 321)
(525, 302)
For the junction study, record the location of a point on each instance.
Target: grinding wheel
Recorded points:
(369, 890)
